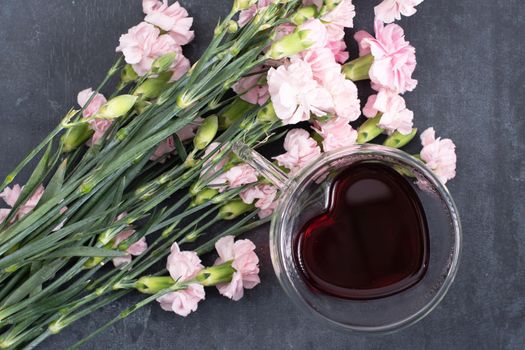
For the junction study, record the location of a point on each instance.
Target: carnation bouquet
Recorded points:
(142, 173)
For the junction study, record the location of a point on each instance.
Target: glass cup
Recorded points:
(306, 195)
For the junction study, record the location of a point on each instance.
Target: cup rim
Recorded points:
(277, 239)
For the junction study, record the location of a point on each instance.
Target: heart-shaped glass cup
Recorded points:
(306, 195)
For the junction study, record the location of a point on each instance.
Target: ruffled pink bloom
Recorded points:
(263, 196)
(135, 249)
(338, 49)
(240, 175)
(364, 47)
(11, 195)
(295, 93)
(173, 19)
(183, 302)
(180, 66)
(390, 10)
(336, 133)
(439, 155)
(346, 101)
(395, 114)
(317, 35)
(245, 16)
(165, 147)
(322, 64)
(99, 126)
(183, 266)
(137, 45)
(251, 90)
(300, 148)
(96, 102)
(343, 15)
(244, 261)
(394, 58)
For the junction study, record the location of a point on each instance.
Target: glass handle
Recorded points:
(266, 168)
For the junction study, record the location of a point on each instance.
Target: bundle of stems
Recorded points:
(51, 259)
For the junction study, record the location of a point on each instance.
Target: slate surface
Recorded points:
(471, 88)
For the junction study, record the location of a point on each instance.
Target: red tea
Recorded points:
(372, 242)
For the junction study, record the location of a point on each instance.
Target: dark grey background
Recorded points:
(471, 57)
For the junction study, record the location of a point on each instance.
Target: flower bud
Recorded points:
(92, 262)
(234, 209)
(267, 114)
(191, 237)
(233, 112)
(358, 69)
(205, 195)
(206, 132)
(329, 5)
(76, 136)
(117, 107)
(128, 74)
(151, 88)
(289, 45)
(163, 63)
(232, 27)
(239, 5)
(153, 284)
(398, 140)
(304, 14)
(213, 275)
(369, 130)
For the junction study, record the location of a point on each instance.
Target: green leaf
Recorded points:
(181, 150)
(84, 252)
(36, 279)
(55, 184)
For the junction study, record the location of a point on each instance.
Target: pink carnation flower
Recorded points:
(390, 10)
(237, 176)
(264, 197)
(394, 58)
(11, 195)
(183, 266)
(395, 114)
(343, 15)
(135, 249)
(322, 64)
(338, 49)
(439, 155)
(251, 90)
(295, 94)
(336, 134)
(96, 102)
(346, 101)
(244, 261)
(173, 19)
(137, 45)
(99, 126)
(300, 148)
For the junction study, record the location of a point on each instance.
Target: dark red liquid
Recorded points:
(372, 242)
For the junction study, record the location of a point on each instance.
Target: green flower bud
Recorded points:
(117, 107)
(232, 27)
(128, 74)
(153, 284)
(329, 5)
(184, 101)
(206, 132)
(369, 130)
(267, 114)
(151, 88)
(163, 63)
(358, 69)
(205, 195)
(213, 275)
(76, 136)
(239, 5)
(304, 14)
(233, 112)
(234, 209)
(92, 262)
(191, 237)
(289, 45)
(398, 140)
